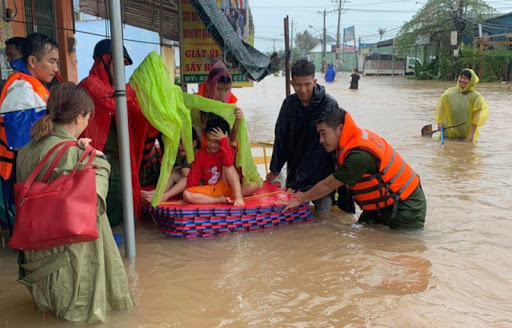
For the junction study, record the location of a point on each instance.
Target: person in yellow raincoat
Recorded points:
(462, 104)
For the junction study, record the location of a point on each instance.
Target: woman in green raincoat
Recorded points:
(462, 104)
(78, 282)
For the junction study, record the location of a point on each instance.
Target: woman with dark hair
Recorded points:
(462, 104)
(78, 282)
(217, 86)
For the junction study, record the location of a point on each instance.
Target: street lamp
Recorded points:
(324, 46)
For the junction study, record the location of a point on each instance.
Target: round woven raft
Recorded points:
(261, 211)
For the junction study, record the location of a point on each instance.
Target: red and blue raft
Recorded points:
(261, 211)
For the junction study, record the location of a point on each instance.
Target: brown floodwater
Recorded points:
(457, 272)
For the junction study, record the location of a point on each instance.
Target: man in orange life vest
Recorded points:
(23, 99)
(384, 185)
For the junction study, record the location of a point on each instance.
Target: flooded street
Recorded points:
(457, 272)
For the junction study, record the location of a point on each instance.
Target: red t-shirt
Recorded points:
(207, 167)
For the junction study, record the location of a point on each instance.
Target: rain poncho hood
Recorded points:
(330, 74)
(172, 112)
(459, 105)
(297, 141)
(472, 82)
(209, 87)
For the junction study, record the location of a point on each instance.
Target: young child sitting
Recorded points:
(178, 179)
(214, 167)
(204, 117)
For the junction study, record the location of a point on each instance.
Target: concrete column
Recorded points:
(168, 59)
(66, 40)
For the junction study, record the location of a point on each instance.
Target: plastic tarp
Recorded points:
(250, 61)
(172, 112)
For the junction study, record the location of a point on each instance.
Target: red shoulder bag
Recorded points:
(57, 213)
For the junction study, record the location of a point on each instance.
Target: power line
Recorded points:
(89, 33)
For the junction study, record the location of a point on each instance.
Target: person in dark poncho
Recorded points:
(354, 83)
(296, 140)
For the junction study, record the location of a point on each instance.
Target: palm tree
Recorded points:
(381, 32)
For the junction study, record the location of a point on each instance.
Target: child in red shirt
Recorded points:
(214, 167)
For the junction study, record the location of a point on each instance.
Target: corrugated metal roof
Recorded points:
(160, 16)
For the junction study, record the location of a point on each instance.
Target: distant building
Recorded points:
(346, 55)
(495, 28)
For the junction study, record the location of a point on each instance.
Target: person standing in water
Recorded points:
(296, 142)
(354, 83)
(462, 104)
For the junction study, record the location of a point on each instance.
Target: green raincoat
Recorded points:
(79, 282)
(459, 105)
(172, 112)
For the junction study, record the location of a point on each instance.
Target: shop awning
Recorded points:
(160, 16)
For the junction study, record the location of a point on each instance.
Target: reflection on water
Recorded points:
(334, 272)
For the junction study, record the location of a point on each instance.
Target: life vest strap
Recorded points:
(391, 160)
(401, 190)
(3, 143)
(6, 159)
(370, 177)
(376, 201)
(397, 175)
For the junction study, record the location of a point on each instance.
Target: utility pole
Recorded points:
(287, 54)
(324, 45)
(460, 21)
(291, 39)
(340, 3)
(324, 48)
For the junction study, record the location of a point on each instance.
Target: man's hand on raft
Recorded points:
(295, 200)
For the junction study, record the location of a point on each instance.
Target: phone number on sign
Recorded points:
(202, 78)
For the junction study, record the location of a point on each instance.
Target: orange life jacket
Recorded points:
(395, 180)
(151, 154)
(7, 155)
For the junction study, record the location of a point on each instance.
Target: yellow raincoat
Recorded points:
(458, 105)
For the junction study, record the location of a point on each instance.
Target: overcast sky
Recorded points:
(366, 15)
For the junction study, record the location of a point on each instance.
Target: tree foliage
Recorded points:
(381, 32)
(431, 29)
(304, 42)
(437, 18)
